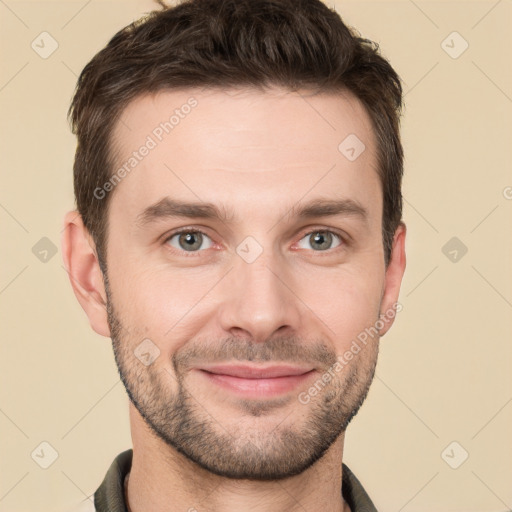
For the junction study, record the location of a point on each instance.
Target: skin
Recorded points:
(197, 445)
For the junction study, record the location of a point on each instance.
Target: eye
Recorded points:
(320, 239)
(188, 240)
(191, 241)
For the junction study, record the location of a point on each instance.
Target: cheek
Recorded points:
(348, 305)
(157, 302)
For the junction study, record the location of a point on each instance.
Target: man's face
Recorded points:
(261, 287)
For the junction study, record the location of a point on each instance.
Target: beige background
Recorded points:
(445, 367)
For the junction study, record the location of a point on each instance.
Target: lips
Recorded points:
(255, 372)
(257, 382)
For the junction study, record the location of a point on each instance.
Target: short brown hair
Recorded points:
(295, 44)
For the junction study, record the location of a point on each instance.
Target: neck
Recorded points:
(163, 480)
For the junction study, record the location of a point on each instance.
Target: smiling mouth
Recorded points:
(257, 382)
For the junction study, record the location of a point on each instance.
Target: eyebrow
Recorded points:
(174, 208)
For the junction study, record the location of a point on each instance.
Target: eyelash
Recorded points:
(194, 254)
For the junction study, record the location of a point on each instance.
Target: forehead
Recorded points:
(210, 118)
(222, 146)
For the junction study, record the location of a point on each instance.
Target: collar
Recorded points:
(109, 496)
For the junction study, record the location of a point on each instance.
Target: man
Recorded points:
(238, 236)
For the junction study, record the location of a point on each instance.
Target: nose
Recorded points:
(259, 300)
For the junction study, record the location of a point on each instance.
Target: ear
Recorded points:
(82, 266)
(393, 280)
